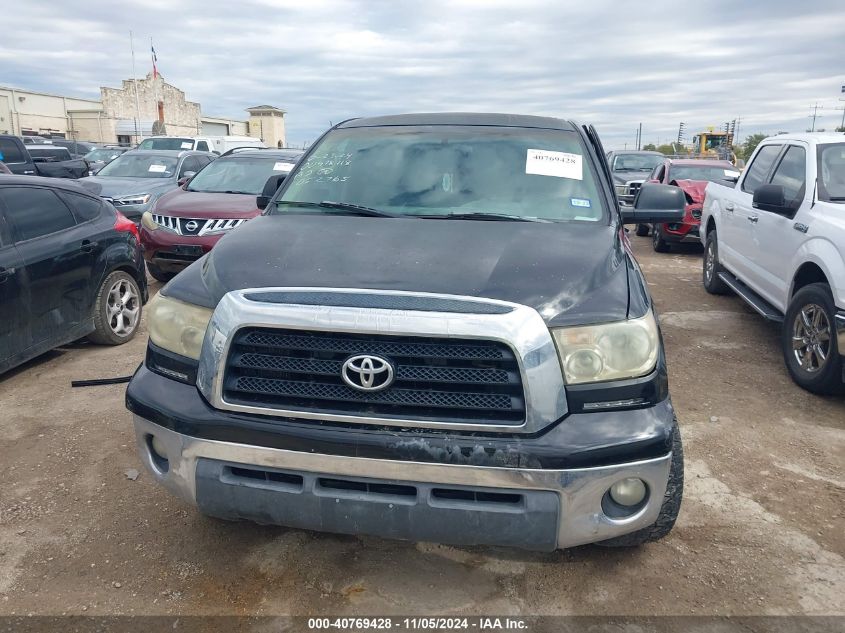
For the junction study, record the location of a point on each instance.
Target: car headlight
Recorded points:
(148, 222)
(177, 326)
(608, 351)
(142, 198)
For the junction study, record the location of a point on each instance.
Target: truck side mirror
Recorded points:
(656, 203)
(771, 198)
(270, 187)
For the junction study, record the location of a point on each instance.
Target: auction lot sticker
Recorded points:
(543, 162)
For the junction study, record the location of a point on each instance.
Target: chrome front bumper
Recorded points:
(579, 517)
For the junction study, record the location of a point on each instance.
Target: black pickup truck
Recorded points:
(14, 155)
(436, 331)
(51, 161)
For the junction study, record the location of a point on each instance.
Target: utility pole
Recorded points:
(135, 83)
(640, 136)
(814, 115)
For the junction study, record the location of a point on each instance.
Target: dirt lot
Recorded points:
(761, 531)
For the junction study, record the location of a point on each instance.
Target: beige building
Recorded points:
(114, 118)
(268, 123)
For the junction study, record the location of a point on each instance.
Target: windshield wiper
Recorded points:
(490, 217)
(354, 209)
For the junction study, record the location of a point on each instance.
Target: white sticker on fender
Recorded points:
(543, 162)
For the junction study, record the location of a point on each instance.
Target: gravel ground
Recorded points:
(761, 531)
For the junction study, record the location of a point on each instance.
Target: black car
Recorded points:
(436, 331)
(70, 266)
(77, 149)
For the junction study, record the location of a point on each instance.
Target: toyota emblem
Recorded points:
(367, 373)
(191, 225)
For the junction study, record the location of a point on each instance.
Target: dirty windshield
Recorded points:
(450, 171)
(140, 166)
(167, 142)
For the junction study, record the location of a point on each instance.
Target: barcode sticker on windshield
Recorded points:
(158, 169)
(187, 145)
(542, 162)
(282, 166)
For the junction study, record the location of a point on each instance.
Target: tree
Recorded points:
(649, 147)
(751, 143)
(671, 149)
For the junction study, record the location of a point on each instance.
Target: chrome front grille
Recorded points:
(196, 226)
(443, 379)
(634, 187)
(459, 362)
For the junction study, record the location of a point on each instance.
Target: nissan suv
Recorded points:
(436, 331)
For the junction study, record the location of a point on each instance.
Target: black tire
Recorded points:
(815, 375)
(642, 230)
(668, 510)
(657, 242)
(117, 310)
(710, 267)
(158, 274)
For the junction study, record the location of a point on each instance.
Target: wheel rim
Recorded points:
(811, 336)
(655, 235)
(709, 262)
(122, 307)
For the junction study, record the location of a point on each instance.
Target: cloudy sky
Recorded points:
(614, 64)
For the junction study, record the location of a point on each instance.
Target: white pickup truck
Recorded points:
(777, 239)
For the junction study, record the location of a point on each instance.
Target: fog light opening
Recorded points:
(158, 453)
(625, 498)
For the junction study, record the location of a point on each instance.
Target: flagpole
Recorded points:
(135, 82)
(155, 82)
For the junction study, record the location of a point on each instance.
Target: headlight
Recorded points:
(177, 326)
(142, 198)
(609, 351)
(148, 222)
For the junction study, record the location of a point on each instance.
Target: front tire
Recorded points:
(642, 230)
(711, 267)
(117, 310)
(810, 347)
(657, 242)
(668, 510)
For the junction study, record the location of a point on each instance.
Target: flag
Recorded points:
(155, 59)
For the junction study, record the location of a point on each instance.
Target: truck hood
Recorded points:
(569, 272)
(116, 187)
(201, 204)
(694, 188)
(621, 177)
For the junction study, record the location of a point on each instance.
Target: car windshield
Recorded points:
(140, 166)
(448, 171)
(239, 174)
(710, 173)
(831, 159)
(167, 142)
(636, 162)
(101, 154)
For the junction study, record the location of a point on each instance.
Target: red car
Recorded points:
(692, 176)
(186, 223)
